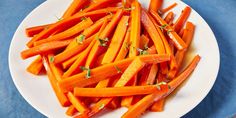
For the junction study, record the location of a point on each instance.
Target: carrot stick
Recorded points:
(56, 70)
(115, 91)
(152, 31)
(106, 71)
(187, 37)
(74, 7)
(142, 105)
(68, 33)
(31, 31)
(68, 22)
(97, 48)
(66, 64)
(116, 41)
(162, 11)
(158, 106)
(44, 48)
(115, 103)
(61, 57)
(36, 66)
(53, 81)
(99, 60)
(88, 31)
(178, 42)
(77, 103)
(169, 18)
(71, 111)
(80, 60)
(152, 50)
(99, 4)
(135, 29)
(125, 47)
(155, 5)
(152, 74)
(182, 19)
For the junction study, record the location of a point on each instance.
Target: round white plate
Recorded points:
(37, 91)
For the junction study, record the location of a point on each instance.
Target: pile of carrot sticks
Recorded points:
(110, 53)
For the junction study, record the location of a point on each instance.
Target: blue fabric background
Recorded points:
(219, 14)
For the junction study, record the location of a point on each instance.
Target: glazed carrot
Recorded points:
(169, 18)
(44, 48)
(61, 57)
(88, 31)
(99, 60)
(53, 81)
(143, 42)
(98, 47)
(71, 111)
(66, 64)
(187, 37)
(162, 11)
(115, 91)
(158, 106)
(125, 47)
(56, 70)
(36, 66)
(79, 61)
(114, 104)
(74, 7)
(182, 19)
(68, 22)
(135, 28)
(152, 74)
(155, 5)
(77, 103)
(178, 42)
(152, 31)
(68, 33)
(106, 71)
(116, 41)
(31, 31)
(152, 50)
(142, 105)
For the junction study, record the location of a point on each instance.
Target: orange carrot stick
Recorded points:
(169, 18)
(98, 5)
(182, 19)
(61, 57)
(115, 91)
(162, 11)
(152, 74)
(53, 81)
(135, 29)
(68, 22)
(116, 41)
(31, 31)
(77, 103)
(125, 47)
(68, 33)
(114, 104)
(36, 66)
(178, 42)
(66, 64)
(74, 7)
(56, 70)
(71, 111)
(106, 71)
(98, 46)
(155, 5)
(152, 31)
(142, 105)
(143, 42)
(44, 48)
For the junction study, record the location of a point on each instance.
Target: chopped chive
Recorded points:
(142, 52)
(103, 42)
(127, 23)
(159, 85)
(169, 31)
(80, 39)
(101, 106)
(83, 18)
(163, 27)
(129, 9)
(51, 59)
(88, 74)
(118, 69)
(59, 19)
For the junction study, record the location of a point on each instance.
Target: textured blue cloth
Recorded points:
(219, 14)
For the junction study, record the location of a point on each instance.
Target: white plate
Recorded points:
(37, 91)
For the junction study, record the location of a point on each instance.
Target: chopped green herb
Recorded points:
(169, 31)
(163, 27)
(59, 19)
(118, 69)
(127, 23)
(103, 42)
(142, 52)
(88, 74)
(129, 9)
(83, 18)
(80, 38)
(101, 106)
(51, 59)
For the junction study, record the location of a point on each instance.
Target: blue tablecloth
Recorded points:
(219, 14)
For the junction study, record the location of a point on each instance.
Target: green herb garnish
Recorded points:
(88, 74)
(142, 52)
(83, 18)
(101, 106)
(103, 42)
(163, 27)
(51, 59)
(80, 38)
(169, 31)
(118, 69)
(129, 9)
(159, 85)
